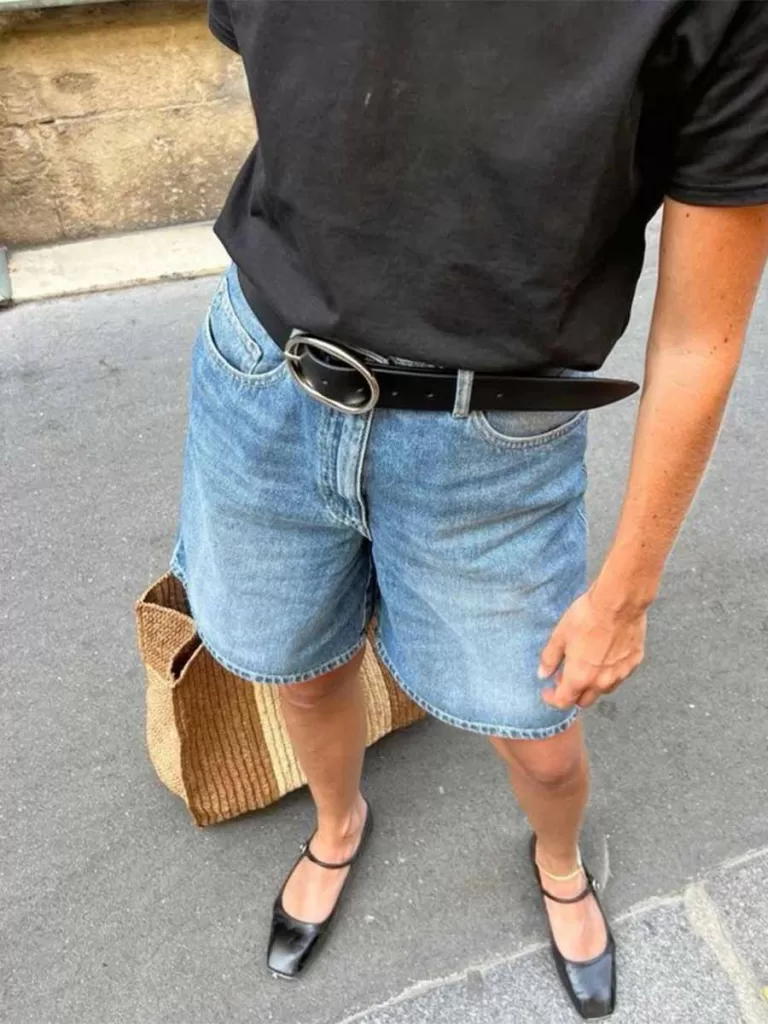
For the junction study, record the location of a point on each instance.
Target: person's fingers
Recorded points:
(553, 653)
(589, 697)
(561, 698)
(612, 678)
(570, 686)
(607, 681)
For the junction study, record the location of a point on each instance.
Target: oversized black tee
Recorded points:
(468, 183)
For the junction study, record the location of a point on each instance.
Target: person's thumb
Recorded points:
(553, 653)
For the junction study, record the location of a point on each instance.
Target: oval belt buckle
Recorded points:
(294, 366)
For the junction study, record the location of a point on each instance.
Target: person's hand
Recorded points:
(595, 649)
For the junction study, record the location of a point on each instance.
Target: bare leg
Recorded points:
(325, 719)
(551, 781)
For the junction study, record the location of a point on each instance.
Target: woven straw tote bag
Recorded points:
(215, 740)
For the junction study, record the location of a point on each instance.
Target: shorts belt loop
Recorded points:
(465, 380)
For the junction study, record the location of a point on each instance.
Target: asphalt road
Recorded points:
(116, 909)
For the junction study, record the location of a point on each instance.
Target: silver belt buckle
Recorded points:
(298, 339)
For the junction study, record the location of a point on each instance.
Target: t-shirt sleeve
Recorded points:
(220, 23)
(721, 150)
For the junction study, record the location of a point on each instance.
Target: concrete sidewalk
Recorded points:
(115, 909)
(692, 956)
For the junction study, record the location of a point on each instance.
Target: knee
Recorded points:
(315, 692)
(556, 775)
(546, 768)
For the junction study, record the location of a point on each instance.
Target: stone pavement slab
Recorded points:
(666, 974)
(118, 909)
(740, 892)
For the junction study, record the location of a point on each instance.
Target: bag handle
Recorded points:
(165, 628)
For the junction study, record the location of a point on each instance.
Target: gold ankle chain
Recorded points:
(563, 878)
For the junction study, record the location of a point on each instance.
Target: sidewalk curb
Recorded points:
(119, 261)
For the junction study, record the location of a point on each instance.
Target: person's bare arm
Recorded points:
(710, 264)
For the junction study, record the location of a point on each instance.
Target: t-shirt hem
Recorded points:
(222, 33)
(752, 196)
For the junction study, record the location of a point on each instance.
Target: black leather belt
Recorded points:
(346, 380)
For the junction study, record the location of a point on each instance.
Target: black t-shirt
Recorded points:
(468, 183)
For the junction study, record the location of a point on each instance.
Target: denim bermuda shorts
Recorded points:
(462, 536)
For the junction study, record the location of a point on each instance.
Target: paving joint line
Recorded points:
(420, 987)
(427, 985)
(702, 915)
(739, 861)
(706, 922)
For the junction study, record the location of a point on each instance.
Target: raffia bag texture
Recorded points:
(215, 740)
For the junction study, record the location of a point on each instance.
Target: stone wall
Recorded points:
(115, 117)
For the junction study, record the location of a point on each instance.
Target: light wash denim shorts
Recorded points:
(463, 537)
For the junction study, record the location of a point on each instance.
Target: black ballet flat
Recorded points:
(293, 943)
(590, 984)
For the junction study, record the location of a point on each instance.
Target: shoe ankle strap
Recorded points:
(306, 850)
(586, 891)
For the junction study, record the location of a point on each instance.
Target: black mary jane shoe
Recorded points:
(293, 943)
(590, 984)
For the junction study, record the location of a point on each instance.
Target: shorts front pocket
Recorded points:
(517, 429)
(251, 357)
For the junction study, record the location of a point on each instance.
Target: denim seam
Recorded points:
(228, 309)
(363, 447)
(327, 491)
(325, 483)
(367, 597)
(351, 522)
(503, 731)
(222, 300)
(245, 380)
(176, 569)
(498, 440)
(228, 304)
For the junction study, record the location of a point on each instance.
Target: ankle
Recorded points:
(339, 831)
(560, 865)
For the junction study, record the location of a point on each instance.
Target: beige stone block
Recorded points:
(18, 95)
(115, 117)
(28, 189)
(76, 62)
(147, 168)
